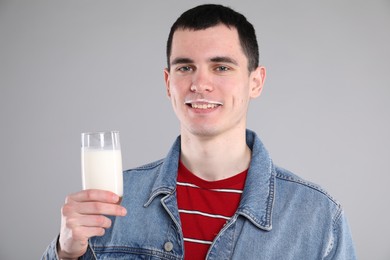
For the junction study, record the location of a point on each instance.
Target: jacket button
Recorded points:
(168, 246)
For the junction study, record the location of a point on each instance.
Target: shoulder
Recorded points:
(306, 208)
(138, 181)
(291, 184)
(146, 172)
(146, 167)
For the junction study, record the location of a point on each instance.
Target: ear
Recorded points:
(257, 79)
(166, 79)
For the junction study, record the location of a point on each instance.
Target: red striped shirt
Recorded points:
(204, 207)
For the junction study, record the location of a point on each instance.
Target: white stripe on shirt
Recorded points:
(202, 213)
(197, 241)
(218, 190)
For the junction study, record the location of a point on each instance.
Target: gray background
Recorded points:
(73, 66)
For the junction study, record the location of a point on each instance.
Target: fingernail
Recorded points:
(115, 198)
(124, 211)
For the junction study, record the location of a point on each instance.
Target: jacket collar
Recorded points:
(165, 182)
(259, 192)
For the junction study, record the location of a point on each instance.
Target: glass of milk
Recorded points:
(101, 161)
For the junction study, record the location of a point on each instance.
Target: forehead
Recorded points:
(218, 40)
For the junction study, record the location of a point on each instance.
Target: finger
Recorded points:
(82, 234)
(99, 208)
(94, 195)
(89, 221)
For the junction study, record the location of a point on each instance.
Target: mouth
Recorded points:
(203, 104)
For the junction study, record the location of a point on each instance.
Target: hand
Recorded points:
(82, 217)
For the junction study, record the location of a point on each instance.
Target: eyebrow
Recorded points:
(224, 59)
(181, 61)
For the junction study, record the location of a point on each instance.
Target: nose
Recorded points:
(201, 82)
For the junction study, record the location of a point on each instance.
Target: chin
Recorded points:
(203, 131)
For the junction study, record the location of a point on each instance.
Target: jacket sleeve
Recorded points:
(51, 252)
(341, 245)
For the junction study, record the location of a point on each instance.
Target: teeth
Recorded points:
(203, 106)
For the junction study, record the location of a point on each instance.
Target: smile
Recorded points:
(203, 104)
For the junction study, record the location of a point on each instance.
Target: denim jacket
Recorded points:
(280, 216)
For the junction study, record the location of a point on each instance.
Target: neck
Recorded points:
(215, 158)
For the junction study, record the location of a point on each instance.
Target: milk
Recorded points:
(102, 169)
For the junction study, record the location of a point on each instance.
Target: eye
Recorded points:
(222, 68)
(184, 68)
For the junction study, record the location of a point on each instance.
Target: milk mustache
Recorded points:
(102, 169)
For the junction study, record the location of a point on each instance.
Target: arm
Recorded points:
(341, 245)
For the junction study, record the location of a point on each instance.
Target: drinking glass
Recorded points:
(101, 161)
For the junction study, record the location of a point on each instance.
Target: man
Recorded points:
(217, 194)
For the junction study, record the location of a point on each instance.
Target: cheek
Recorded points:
(177, 94)
(178, 85)
(238, 92)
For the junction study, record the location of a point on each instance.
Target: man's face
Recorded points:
(208, 82)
